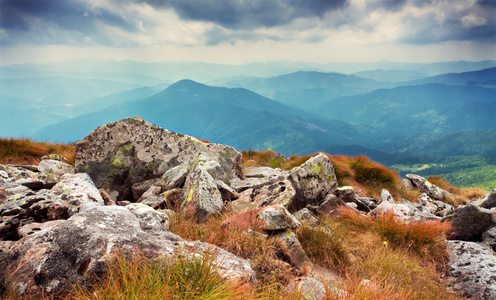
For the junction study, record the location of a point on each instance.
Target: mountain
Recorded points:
(485, 77)
(391, 75)
(429, 108)
(236, 116)
(308, 89)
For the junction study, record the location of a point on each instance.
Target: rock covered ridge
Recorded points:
(59, 223)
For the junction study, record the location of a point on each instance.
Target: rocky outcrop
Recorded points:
(472, 270)
(120, 154)
(274, 217)
(74, 249)
(313, 181)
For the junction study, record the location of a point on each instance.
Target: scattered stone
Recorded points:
(489, 238)
(426, 205)
(123, 203)
(400, 211)
(55, 157)
(139, 188)
(277, 193)
(243, 203)
(407, 184)
(313, 181)
(307, 288)
(472, 270)
(55, 166)
(274, 217)
(430, 189)
(32, 228)
(470, 222)
(443, 209)
(155, 202)
(489, 200)
(106, 197)
(304, 215)
(293, 250)
(329, 205)
(152, 191)
(386, 196)
(175, 177)
(345, 193)
(227, 193)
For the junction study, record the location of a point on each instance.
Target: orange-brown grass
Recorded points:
(462, 195)
(25, 151)
(138, 277)
(425, 238)
(408, 267)
(263, 253)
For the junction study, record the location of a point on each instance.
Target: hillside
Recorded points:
(233, 116)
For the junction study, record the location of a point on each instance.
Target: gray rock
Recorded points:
(443, 209)
(293, 250)
(407, 184)
(430, 189)
(55, 166)
(151, 221)
(402, 211)
(280, 192)
(386, 196)
(56, 157)
(257, 177)
(307, 288)
(472, 270)
(119, 154)
(304, 215)
(69, 252)
(139, 188)
(274, 217)
(313, 181)
(154, 190)
(155, 202)
(175, 177)
(365, 203)
(489, 238)
(329, 205)
(76, 189)
(489, 200)
(345, 193)
(243, 203)
(200, 194)
(227, 193)
(35, 227)
(426, 205)
(470, 222)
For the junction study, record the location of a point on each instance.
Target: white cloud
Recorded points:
(472, 20)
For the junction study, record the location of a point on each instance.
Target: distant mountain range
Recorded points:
(392, 112)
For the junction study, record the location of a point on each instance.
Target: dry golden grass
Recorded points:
(25, 151)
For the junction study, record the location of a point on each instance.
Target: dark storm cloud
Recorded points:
(23, 19)
(249, 13)
(72, 21)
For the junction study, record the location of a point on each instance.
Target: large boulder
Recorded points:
(71, 251)
(472, 270)
(119, 154)
(313, 181)
(470, 222)
(489, 200)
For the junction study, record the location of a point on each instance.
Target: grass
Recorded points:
(408, 266)
(462, 195)
(24, 151)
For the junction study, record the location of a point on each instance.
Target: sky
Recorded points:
(243, 31)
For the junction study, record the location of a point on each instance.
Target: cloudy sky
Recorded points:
(240, 31)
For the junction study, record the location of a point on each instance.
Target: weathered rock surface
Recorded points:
(472, 270)
(430, 189)
(293, 250)
(274, 217)
(200, 194)
(80, 246)
(280, 192)
(119, 154)
(308, 288)
(489, 200)
(470, 222)
(55, 166)
(313, 181)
